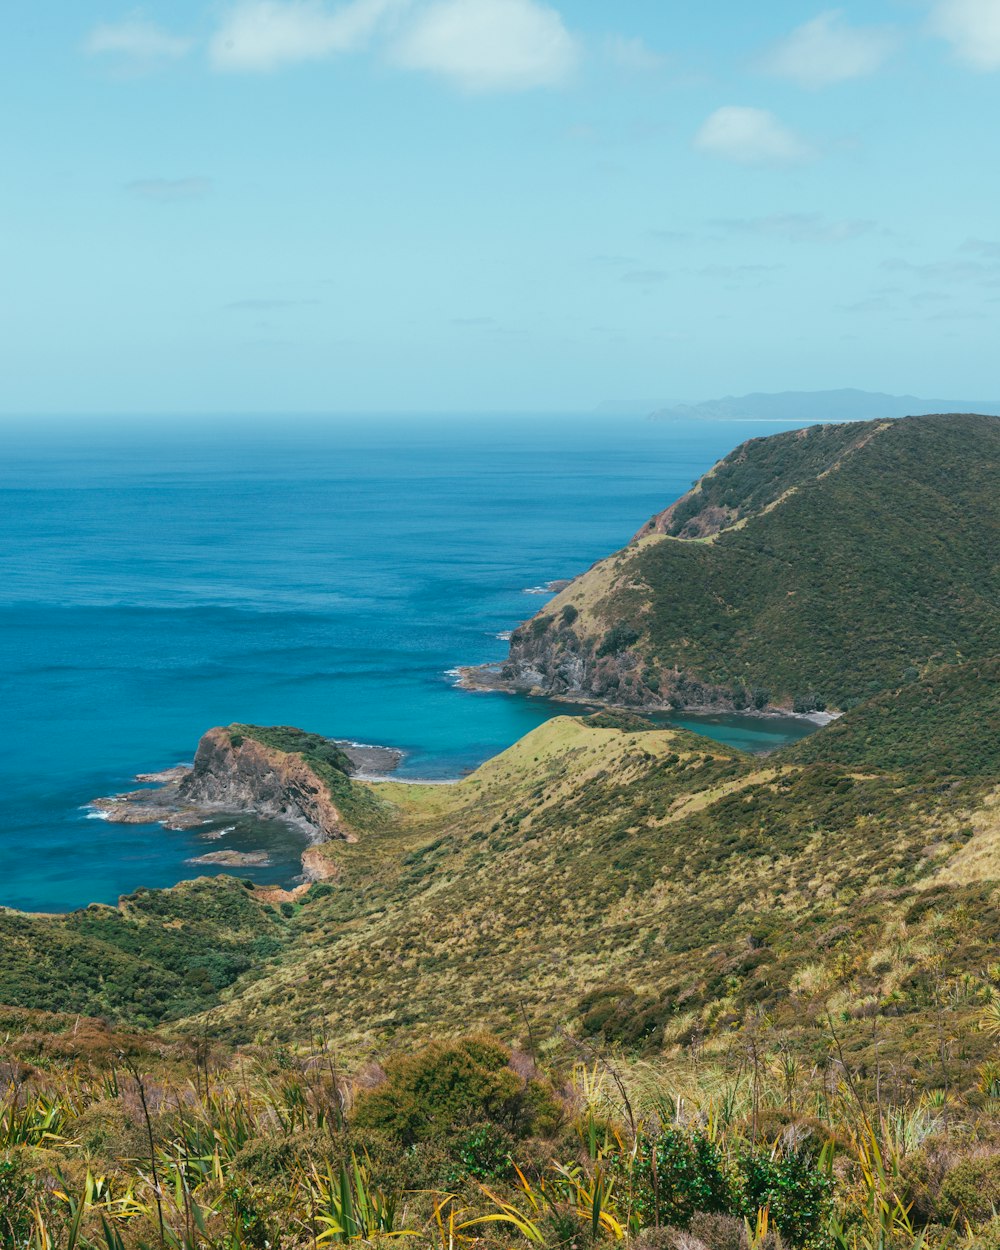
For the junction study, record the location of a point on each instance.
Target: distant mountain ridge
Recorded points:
(847, 404)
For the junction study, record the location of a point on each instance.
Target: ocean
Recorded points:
(160, 577)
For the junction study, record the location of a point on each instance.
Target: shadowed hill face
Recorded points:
(941, 725)
(810, 569)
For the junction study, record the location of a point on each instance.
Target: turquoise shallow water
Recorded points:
(160, 578)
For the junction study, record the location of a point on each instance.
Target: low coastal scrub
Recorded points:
(159, 955)
(468, 1143)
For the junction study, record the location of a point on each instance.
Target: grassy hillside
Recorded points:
(811, 568)
(733, 985)
(647, 885)
(651, 889)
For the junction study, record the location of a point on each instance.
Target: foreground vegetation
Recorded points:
(464, 1143)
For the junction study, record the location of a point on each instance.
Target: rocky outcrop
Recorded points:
(556, 662)
(235, 773)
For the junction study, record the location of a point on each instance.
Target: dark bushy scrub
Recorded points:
(446, 1087)
(797, 1192)
(618, 638)
(627, 722)
(674, 1175)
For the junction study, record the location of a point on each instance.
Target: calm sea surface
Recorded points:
(158, 578)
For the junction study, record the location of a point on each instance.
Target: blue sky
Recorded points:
(291, 205)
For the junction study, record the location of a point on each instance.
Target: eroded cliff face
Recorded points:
(236, 773)
(548, 656)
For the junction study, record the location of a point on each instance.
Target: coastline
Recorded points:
(486, 679)
(162, 801)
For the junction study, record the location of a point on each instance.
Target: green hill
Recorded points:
(809, 569)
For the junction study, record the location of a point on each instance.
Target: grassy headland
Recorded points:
(809, 569)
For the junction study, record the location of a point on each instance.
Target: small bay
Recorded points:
(160, 577)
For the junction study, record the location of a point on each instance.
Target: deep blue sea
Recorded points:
(161, 577)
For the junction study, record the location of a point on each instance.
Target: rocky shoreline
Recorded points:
(233, 778)
(487, 678)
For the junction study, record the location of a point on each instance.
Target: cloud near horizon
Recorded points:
(751, 136)
(826, 50)
(972, 27)
(798, 227)
(170, 190)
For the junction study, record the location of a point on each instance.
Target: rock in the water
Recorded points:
(233, 859)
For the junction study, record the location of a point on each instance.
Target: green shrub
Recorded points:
(483, 1153)
(446, 1087)
(17, 1187)
(797, 1192)
(674, 1175)
(104, 1130)
(971, 1189)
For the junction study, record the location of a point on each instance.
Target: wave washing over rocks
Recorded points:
(549, 588)
(168, 799)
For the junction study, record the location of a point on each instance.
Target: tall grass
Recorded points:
(189, 1180)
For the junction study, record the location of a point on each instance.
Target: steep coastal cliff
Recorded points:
(804, 571)
(276, 773)
(235, 771)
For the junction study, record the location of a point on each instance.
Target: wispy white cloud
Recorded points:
(136, 39)
(982, 247)
(798, 227)
(645, 277)
(827, 50)
(751, 136)
(972, 27)
(489, 45)
(263, 35)
(984, 272)
(170, 190)
(270, 305)
(737, 272)
(633, 55)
